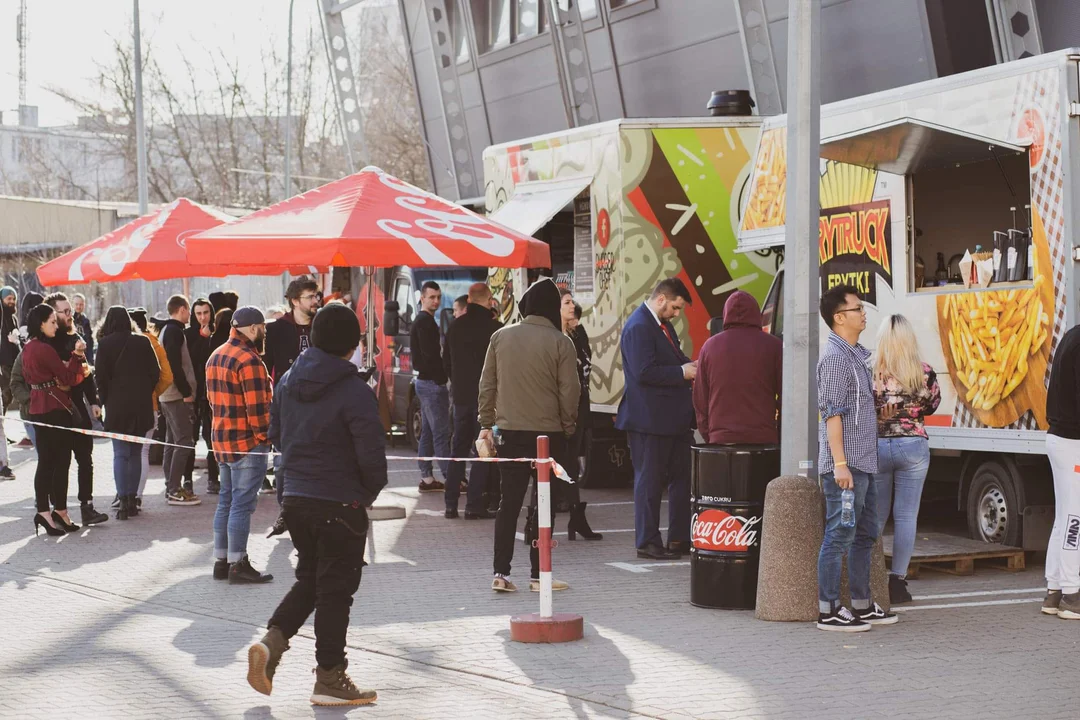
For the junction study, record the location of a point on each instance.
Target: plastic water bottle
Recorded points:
(847, 508)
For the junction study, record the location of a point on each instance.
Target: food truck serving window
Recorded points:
(968, 199)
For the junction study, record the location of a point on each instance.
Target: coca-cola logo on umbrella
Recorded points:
(718, 531)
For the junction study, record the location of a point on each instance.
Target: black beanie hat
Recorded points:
(335, 330)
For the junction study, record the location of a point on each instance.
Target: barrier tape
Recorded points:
(556, 467)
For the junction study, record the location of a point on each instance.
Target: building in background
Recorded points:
(492, 71)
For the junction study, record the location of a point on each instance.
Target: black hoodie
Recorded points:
(325, 420)
(9, 320)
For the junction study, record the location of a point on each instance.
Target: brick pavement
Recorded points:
(123, 620)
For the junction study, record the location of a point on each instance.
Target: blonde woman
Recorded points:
(905, 392)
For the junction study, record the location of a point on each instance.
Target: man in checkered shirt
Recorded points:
(847, 438)
(239, 391)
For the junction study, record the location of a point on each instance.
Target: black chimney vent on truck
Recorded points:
(730, 102)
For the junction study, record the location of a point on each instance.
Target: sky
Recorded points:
(69, 38)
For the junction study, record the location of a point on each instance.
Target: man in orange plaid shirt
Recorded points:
(239, 391)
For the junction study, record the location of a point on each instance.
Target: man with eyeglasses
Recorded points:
(289, 336)
(847, 460)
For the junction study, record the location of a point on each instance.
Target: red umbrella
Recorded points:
(369, 219)
(151, 248)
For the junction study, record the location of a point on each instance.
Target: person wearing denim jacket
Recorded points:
(847, 460)
(905, 392)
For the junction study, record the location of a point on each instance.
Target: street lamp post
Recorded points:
(140, 135)
(288, 108)
(798, 431)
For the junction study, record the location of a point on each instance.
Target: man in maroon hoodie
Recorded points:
(737, 391)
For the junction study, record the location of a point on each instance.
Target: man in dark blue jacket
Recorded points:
(325, 420)
(657, 413)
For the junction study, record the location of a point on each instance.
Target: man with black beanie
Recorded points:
(529, 387)
(325, 420)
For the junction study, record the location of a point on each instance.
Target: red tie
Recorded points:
(670, 339)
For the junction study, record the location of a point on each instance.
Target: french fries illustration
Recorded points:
(991, 336)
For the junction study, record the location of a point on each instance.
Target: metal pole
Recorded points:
(288, 109)
(543, 521)
(140, 123)
(140, 136)
(800, 418)
(369, 356)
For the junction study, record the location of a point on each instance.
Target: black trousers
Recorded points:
(83, 447)
(203, 423)
(54, 460)
(515, 483)
(329, 538)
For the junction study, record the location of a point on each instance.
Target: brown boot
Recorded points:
(333, 687)
(263, 659)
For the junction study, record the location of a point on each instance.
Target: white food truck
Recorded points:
(914, 179)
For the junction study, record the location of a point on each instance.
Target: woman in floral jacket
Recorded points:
(906, 391)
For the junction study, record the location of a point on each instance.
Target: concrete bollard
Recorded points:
(791, 540)
(879, 579)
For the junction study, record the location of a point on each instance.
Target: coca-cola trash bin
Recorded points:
(728, 496)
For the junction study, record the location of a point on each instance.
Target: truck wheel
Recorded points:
(413, 423)
(994, 508)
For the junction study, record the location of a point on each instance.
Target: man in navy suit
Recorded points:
(657, 413)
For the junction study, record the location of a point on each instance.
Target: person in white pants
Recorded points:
(1063, 449)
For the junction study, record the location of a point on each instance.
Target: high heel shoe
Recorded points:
(66, 525)
(579, 524)
(41, 522)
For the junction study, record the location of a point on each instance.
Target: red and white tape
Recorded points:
(556, 467)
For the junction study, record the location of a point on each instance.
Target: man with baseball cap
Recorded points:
(239, 392)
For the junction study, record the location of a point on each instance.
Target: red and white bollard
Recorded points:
(546, 626)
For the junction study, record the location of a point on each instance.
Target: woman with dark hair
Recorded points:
(222, 328)
(127, 371)
(165, 379)
(50, 381)
(570, 314)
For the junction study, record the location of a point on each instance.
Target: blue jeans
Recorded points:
(902, 466)
(434, 426)
(127, 466)
(466, 430)
(240, 483)
(855, 542)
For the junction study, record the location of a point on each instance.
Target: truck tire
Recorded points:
(995, 504)
(412, 423)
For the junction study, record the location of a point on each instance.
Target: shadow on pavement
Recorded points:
(562, 667)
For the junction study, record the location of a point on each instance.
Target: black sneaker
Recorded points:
(898, 590)
(241, 573)
(221, 569)
(876, 616)
(6, 473)
(213, 487)
(841, 620)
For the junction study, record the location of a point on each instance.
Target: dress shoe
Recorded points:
(241, 573)
(679, 547)
(653, 551)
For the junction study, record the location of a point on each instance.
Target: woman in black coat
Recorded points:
(127, 370)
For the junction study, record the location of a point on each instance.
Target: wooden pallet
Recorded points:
(957, 555)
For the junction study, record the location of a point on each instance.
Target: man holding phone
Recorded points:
(847, 460)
